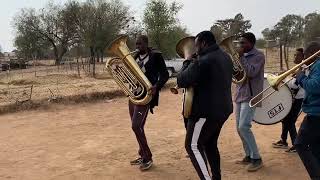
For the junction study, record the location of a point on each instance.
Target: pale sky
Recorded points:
(196, 15)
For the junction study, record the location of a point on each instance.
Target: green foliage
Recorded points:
(162, 25)
(312, 27)
(231, 26)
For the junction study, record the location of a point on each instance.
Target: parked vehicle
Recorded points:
(174, 66)
(4, 66)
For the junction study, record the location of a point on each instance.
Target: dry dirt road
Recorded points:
(94, 141)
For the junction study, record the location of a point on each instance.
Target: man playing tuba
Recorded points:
(153, 66)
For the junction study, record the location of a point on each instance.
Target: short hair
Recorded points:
(207, 37)
(144, 38)
(250, 37)
(299, 50)
(312, 47)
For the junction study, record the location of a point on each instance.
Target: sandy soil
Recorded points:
(94, 141)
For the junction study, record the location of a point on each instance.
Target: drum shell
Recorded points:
(274, 108)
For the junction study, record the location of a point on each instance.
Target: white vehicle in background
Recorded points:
(174, 66)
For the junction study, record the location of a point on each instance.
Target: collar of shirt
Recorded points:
(253, 51)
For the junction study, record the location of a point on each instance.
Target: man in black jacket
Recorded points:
(211, 77)
(152, 64)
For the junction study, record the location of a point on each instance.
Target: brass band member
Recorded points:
(152, 64)
(253, 63)
(211, 78)
(308, 139)
(288, 123)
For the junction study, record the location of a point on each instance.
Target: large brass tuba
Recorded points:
(127, 73)
(239, 74)
(184, 48)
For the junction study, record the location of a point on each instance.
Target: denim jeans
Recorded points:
(244, 117)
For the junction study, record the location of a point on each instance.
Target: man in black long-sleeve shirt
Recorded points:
(152, 64)
(211, 77)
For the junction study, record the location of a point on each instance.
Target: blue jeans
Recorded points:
(244, 117)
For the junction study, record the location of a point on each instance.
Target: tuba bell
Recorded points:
(127, 73)
(184, 48)
(239, 74)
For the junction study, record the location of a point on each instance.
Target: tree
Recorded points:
(232, 26)
(1, 54)
(53, 23)
(162, 25)
(312, 27)
(99, 22)
(289, 30)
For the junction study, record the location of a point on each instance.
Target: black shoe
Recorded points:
(280, 144)
(245, 161)
(137, 161)
(146, 165)
(255, 165)
(291, 150)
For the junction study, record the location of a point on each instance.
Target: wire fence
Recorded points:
(47, 82)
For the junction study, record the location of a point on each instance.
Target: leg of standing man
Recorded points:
(307, 145)
(244, 129)
(138, 115)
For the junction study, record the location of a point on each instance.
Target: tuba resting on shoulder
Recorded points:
(185, 47)
(127, 73)
(239, 74)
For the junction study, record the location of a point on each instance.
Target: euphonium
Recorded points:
(185, 47)
(239, 74)
(127, 73)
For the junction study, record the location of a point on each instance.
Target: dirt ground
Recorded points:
(95, 141)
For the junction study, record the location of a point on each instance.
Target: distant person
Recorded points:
(288, 123)
(211, 77)
(152, 64)
(253, 62)
(308, 140)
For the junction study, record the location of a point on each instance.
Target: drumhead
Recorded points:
(274, 108)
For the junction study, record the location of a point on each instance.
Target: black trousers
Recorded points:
(289, 122)
(138, 114)
(201, 145)
(308, 145)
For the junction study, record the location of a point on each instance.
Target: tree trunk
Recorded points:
(101, 55)
(281, 60)
(287, 56)
(78, 67)
(92, 60)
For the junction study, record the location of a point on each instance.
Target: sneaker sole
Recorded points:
(146, 168)
(255, 169)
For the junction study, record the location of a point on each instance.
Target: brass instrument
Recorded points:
(276, 82)
(127, 73)
(239, 74)
(184, 48)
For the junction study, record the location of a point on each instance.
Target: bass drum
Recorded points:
(274, 108)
